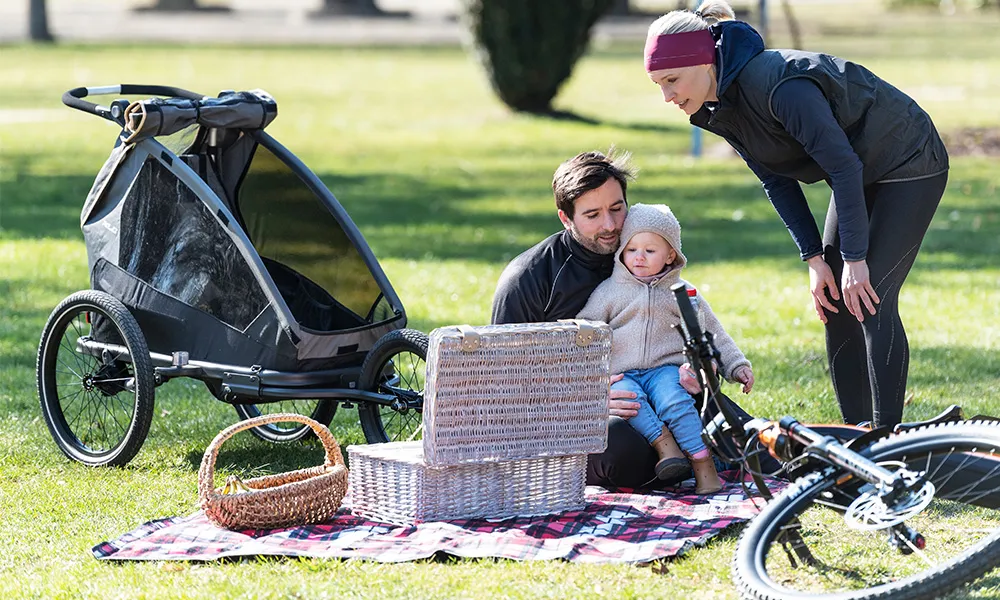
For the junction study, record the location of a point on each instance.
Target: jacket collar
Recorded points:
(591, 260)
(736, 44)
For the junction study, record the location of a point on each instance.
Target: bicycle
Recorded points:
(912, 513)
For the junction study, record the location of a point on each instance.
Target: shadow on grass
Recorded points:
(573, 117)
(249, 457)
(494, 214)
(470, 222)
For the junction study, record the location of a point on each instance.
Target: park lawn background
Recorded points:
(447, 186)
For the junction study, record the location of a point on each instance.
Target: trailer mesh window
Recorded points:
(320, 273)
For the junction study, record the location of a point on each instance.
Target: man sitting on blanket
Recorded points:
(553, 279)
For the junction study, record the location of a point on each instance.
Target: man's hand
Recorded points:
(858, 289)
(622, 403)
(689, 379)
(744, 375)
(821, 279)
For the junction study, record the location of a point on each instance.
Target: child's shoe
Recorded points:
(672, 463)
(706, 478)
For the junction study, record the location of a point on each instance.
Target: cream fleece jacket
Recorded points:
(642, 315)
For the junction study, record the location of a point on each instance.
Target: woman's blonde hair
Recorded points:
(708, 13)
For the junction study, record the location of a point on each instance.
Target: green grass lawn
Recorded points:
(447, 186)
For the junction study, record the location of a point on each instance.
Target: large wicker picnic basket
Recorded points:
(513, 391)
(310, 495)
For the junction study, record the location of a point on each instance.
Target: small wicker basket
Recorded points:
(299, 497)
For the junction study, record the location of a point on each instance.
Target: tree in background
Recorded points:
(38, 22)
(529, 47)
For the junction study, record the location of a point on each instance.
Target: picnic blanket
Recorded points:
(616, 526)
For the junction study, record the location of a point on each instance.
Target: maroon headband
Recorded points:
(675, 50)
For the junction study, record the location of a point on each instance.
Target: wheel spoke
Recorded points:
(77, 373)
(72, 399)
(286, 431)
(408, 369)
(918, 552)
(70, 383)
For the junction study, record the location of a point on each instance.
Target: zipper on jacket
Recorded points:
(649, 326)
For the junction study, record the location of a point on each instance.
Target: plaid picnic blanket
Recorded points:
(615, 526)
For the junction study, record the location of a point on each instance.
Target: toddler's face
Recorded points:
(647, 253)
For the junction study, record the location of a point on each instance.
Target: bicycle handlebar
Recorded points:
(700, 352)
(689, 318)
(74, 97)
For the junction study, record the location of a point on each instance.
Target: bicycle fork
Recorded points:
(886, 500)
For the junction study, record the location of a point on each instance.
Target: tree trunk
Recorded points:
(793, 25)
(175, 5)
(38, 22)
(529, 47)
(350, 7)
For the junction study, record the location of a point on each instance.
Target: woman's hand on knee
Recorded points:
(821, 279)
(859, 295)
(622, 403)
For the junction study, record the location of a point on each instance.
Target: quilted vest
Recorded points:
(894, 138)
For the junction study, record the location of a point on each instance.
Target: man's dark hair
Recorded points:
(588, 171)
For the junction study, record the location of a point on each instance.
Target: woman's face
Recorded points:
(687, 87)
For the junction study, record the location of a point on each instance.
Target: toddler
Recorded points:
(637, 303)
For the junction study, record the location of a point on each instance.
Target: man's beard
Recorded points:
(596, 244)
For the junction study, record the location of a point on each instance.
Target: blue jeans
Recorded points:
(662, 401)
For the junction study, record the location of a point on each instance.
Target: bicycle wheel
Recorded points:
(287, 431)
(938, 547)
(97, 402)
(396, 366)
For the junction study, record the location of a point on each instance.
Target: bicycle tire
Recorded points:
(395, 365)
(962, 459)
(98, 409)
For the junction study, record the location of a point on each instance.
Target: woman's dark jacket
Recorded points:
(803, 116)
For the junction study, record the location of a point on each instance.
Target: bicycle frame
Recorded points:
(786, 439)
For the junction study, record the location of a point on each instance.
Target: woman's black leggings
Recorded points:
(869, 360)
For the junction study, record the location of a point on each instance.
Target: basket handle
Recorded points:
(206, 473)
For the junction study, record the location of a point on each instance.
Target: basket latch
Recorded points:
(585, 331)
(470, 338)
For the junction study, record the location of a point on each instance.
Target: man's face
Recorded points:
(598, 218)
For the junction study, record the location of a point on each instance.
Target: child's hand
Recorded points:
(744, 375)
(689, 380)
